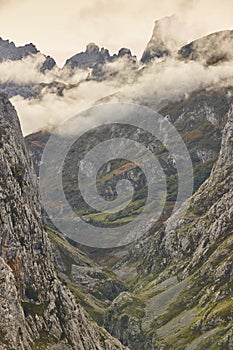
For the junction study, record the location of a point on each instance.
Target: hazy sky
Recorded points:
(63, 28)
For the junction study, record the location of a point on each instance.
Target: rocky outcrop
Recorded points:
(210, 50)
(163, 41)
(88, 59)
(95, 59)
(48, 64)
(226, 153)
(11, 312)
(10, 52)
(36, 310)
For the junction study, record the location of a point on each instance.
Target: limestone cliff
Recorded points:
(180, 275)
(36, 310)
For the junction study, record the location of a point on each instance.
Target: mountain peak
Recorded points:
(9, 51)
(94, 56)
(89, 58)
(210, 49)
(92, 48)
(164, 39)
(124, 52)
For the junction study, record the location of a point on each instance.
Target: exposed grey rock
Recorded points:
(196, 247)
(226, 153)
(163, 42)
(212, 49)
(124, 52)
(8, 51)
(95, 59)
(36, 309)
(88, 59)
(13, 328)
(48, 64)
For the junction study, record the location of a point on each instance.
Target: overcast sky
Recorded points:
(63, 28)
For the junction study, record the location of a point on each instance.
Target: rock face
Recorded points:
(8, 51)
(183, 278)
(95, 59)
(11, 312)
(88, 59)
(226, 153)
(36, 310)
(211, 49)
(163, 42)
(208, 50)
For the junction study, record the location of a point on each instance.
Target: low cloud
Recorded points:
(27, 71)
(154, 85)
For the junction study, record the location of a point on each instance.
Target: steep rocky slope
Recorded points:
(93, 285)
(211, 49)
(167, 274)
(163, 41)
(36, 310)
(180, 276)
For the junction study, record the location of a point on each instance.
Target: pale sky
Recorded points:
(63, 28)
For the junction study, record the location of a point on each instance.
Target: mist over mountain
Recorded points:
(171, 288)
(8, 51)
(168, 70)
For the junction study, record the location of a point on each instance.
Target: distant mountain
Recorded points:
(211, 49)
(9, 51)
(88, 59)
(164, 40)
(94, 56)
(200, 119)
(99, 64)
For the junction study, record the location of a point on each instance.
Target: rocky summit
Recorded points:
(163, 40)
(10, 52)
(94, 56)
